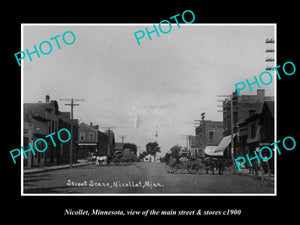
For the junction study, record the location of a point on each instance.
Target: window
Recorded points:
(81, 136)
(211, 136)
(91, 136)
(251, 113)
(235, 117)
(253, 130)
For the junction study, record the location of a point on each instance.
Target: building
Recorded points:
(208, 133)
(192, 145)
(91, 140)
(41, 119)
(119, 147)
(87, 140)
(267, 123)
(102, 144)
(244, 106)
(151, 158)
(267, 132)
(111, 142)
(257, 130)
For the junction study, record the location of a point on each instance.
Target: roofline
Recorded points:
(89, 127)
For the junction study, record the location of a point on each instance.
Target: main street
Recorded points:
(141, 177)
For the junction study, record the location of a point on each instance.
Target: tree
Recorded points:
(131, 146)
(152, 148)
(142, 155)
(175, 151)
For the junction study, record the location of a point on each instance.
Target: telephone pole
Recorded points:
(197, 124)
(72, 104)
(270, 52)
(202, 131)
(122, 137)
(185, 138)
(231, 125)
(156, 132)
(108, 134)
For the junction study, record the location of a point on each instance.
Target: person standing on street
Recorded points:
(265, 167)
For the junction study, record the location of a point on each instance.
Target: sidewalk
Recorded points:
(50, 168)
(246, 172)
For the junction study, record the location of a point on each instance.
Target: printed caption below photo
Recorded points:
(152, 212)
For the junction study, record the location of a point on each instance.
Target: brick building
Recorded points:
(244, 107)
(91, 140)
(94, 141)
(208, 133)
(41, 119)
(111, 142)
(192, 145)
(257, 130)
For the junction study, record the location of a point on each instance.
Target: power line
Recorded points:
(108, 143)
(231, 125)
(72, 104)
(186, 138)
(122, 137)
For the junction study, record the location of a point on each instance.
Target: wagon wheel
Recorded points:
(123, 161)
(173, 168)
(193, 168)
(180, 166)
(168, 167)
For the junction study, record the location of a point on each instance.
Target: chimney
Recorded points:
(261, 95)
(91, 124)
(47, 98)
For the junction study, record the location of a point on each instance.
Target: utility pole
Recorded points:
(203, 132)
(185, 138)
(156, 132)
(122, 137)
(199, 122)
(231, 125)
(108, 144)
(270, 52)
(72, 104)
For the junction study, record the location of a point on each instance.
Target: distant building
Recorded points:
(208, 133)
(151, 158)
(41, 119)
(91, 140)
(111, 142)
(119, 147)
(87, 140)
(192, 145)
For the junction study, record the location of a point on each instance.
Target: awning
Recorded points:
(224, 143)
(91, 144)
(211, 150)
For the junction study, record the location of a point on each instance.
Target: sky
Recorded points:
(162, 85)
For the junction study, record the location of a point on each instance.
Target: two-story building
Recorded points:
(91, 140)
(208, 136)
(87, 140)
(257, 130)
(111, 142)
(244, 107)
(41, 119)
(193, 146)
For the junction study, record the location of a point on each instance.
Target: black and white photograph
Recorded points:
(144, 109)
(148, 114)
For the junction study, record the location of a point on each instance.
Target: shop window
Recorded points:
(91, 136)
(81, 136)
